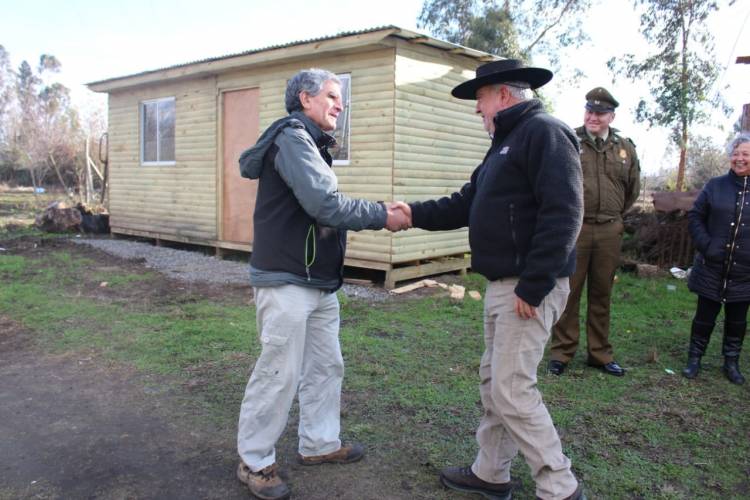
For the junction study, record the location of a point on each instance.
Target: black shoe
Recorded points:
(732, 371)
(611, 368)
(464, 479)
(556, 367)
(578, 494)
(692, 368)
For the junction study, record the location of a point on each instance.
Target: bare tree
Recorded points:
(43, 132)
(6, 88)
(704, 160)
(7, 82)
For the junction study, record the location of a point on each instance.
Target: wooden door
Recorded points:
(240, 124)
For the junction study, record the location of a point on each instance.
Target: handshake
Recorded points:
(399, 216)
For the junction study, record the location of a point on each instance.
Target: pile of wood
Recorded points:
(60, 217)
(457, 292)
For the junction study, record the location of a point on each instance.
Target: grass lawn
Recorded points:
(410, 391)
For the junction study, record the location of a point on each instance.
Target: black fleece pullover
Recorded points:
(523, 204)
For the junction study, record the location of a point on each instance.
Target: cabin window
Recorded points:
(157, 132)
(341, 152)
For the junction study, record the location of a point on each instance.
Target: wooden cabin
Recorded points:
(175, 135)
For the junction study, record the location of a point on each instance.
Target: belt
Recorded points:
(594, 220)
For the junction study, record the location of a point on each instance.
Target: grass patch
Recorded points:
(410, 390)
(18, 210)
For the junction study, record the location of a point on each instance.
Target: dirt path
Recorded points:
(81, 426)
(73, 428)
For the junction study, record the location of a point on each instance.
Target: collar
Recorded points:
(585, 136)
(593, 137)
(320, 137)
(739, 180)
(507, 119)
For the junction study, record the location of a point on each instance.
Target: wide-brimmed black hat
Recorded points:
(505, 70)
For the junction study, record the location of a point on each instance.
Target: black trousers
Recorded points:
(707, 311)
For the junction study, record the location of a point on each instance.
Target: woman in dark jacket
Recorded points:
(719, 224)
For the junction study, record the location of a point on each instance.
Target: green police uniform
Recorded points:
(611, 182)
(611, 176)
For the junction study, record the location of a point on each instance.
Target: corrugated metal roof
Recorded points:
(399, 32)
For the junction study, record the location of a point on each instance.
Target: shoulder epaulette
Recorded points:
(619, 135)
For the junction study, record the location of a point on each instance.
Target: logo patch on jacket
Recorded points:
(504, 151)
(623, 154)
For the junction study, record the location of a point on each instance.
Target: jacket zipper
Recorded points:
(732, 241)
(513, 233)
(310, 259)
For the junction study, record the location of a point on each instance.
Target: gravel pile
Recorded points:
(195, 267)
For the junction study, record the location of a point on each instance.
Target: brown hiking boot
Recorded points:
(348, 453)
(464, 479)
(264, 484)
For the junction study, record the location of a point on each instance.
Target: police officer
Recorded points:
(611, 182)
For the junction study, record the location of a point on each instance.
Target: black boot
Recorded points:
(734, 334)
(732, 370)
(692, 368)
(700, 334)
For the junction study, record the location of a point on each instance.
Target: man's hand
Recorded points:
(399, 216)
(524, 310)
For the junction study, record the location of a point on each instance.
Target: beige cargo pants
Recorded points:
(515, 418)
(298, 329)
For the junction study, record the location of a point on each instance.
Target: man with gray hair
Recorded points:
(300, 224)
(523, 207)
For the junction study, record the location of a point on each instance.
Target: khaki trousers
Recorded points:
(597, 258)
(298, 329)
(515, 418)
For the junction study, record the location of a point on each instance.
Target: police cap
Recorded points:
(599, 100)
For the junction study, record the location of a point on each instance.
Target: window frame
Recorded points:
(142, 119)
(348, 117)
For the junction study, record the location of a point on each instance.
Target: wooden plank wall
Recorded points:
(439, 142)
(409, 140)
(179, 199)
(369, 173)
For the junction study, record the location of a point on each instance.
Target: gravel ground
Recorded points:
(196, 267)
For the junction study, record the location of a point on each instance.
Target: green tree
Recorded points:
(682, 72)
(509, 28)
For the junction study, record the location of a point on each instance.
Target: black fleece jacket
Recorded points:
(523, 204)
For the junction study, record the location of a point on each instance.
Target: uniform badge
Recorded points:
(623, 154)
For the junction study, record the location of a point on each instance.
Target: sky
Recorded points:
(96, 40)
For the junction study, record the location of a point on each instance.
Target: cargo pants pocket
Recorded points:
(275, 349)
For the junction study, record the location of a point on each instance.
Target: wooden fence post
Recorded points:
(89, 180)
